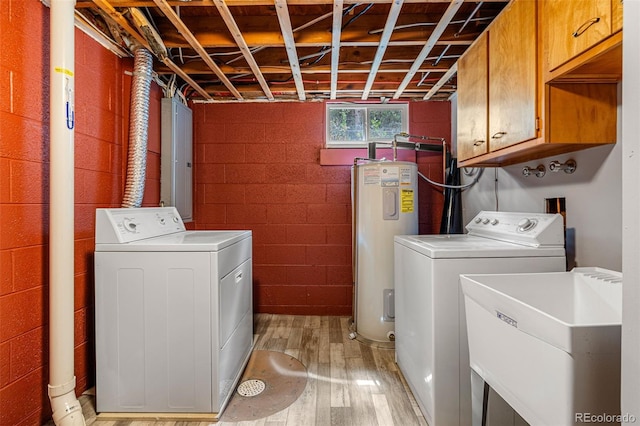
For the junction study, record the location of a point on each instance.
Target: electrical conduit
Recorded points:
(62, 382)
(138, 125)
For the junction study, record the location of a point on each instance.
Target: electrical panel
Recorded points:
(176, 167)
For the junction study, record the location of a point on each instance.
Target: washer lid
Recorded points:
(181, 241)
(467, 246)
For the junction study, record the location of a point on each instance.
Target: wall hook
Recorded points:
(538, 171)
(569, 166)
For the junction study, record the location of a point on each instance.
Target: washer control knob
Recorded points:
(526, 224)
(494, 222)
(478, 220)
(161, 221)
(175, 219)
(130, 225)
(485, 220)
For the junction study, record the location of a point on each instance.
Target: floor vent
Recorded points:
(250, 388)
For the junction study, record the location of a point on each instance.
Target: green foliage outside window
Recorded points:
(384, 123)
(355, 125)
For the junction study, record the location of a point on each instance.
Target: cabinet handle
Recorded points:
(584, 27)
(498, 135)
(478, 143)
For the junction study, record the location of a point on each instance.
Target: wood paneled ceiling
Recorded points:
(300, 50)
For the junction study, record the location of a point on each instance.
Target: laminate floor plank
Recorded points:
(382, 409)
(348, 383)
(323, 394)
(339, 390)
(360, 399)
(335, 330)
(341, 416)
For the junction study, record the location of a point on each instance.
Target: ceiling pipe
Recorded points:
(66, 408)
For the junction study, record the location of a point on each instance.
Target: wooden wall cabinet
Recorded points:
(582, 40)
(512, 76)
(473, 97)
(529, 114)
(572, 27)
(616, 12)
(497, 84)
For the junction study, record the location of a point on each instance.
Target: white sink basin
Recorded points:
(548, 343)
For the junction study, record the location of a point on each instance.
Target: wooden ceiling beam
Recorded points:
(195, 45)
(336, 31)
(204, 3)
(117, 17)
(242, 44)
(392, 18)
(290, 44)
(202, 69)
(443, 80)
(265, 31)
(289, 50)
(428, 46)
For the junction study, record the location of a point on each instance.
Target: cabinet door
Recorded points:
(513, 75)
(616, 15)
(571, 27)
(472, 100)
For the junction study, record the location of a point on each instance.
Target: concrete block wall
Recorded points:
(257, 167)
(101, 131)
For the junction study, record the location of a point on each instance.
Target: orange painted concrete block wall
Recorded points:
(101, 128)
(257, 167)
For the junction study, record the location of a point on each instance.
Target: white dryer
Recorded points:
(431, 339)
(174, 316)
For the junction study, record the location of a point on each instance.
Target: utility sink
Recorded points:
(548, 343)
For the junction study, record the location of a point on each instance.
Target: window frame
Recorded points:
(402, 106)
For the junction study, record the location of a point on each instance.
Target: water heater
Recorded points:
(385, 204)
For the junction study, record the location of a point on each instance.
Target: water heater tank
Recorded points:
(385, 204)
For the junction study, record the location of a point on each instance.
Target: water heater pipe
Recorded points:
(395, 144)
(62, 381)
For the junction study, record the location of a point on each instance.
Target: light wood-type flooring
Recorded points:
(349, 383)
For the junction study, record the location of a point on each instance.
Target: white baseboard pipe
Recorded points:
(66, 408)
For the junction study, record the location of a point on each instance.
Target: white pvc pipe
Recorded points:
(62, 382)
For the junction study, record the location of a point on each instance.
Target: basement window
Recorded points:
(355, 125)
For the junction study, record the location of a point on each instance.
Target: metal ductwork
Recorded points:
(138, 125)
(139, 114)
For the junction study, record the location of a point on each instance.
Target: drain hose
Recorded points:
(138, 125)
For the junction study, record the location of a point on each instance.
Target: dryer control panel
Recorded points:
(531, 229)
(124, 225)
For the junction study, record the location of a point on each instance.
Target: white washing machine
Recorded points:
(174, 316)
(431, 339)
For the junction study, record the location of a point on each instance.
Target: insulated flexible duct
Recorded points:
(138, 125)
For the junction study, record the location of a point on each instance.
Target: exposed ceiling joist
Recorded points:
(336, 31)
(120, 20)
(431, 42)
(244, 48)
(396, 6)
(287, 34)
(233, 3)
(443, 80)
(298, 50)
(186, 33)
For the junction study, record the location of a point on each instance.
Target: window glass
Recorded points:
(347, 124)
(354, 125)
(384, 123)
